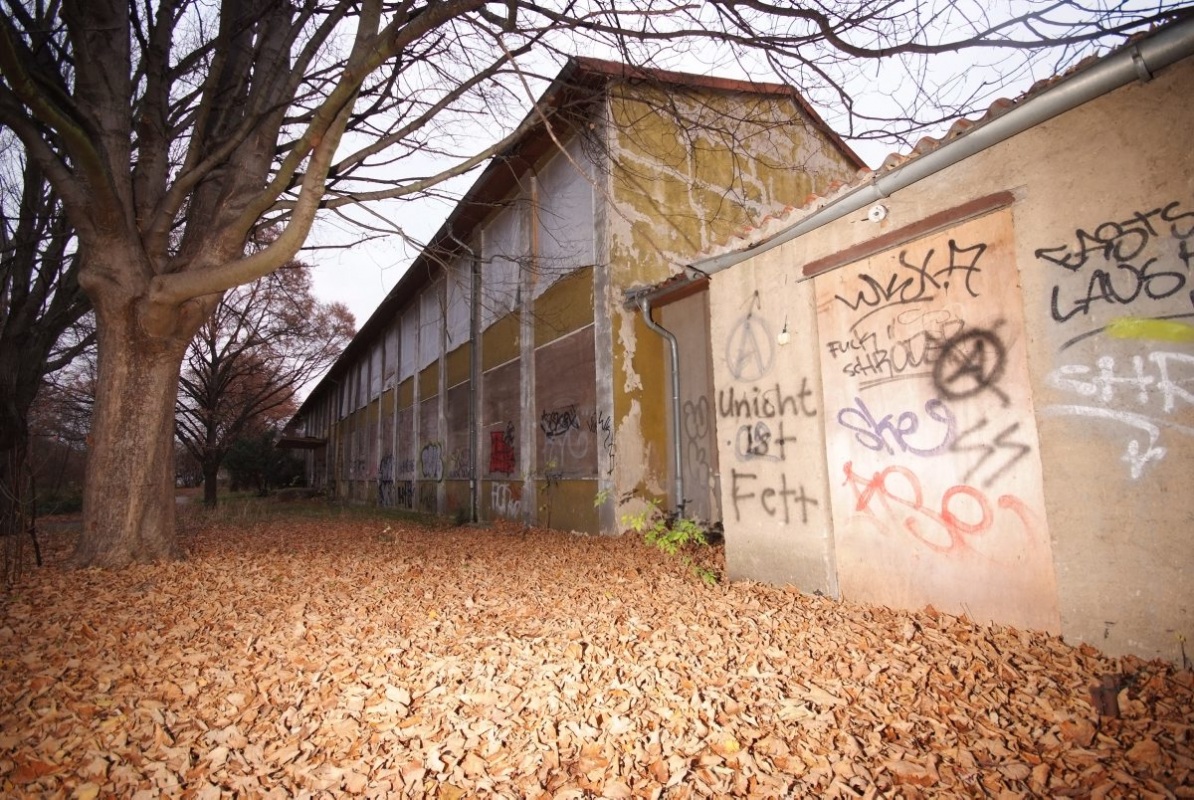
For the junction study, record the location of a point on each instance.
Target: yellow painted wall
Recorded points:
(679, 188)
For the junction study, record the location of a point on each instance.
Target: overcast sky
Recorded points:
(360, 277)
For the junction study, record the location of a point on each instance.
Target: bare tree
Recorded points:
(42, 305)
(243, 368)
(171, 129)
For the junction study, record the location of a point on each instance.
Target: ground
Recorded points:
(326, 655)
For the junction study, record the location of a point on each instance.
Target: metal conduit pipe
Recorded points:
(644, 305)
(1136, 62)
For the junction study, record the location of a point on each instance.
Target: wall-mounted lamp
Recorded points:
(784, 337)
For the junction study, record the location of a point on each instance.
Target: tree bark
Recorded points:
(211, 477)
(16, 503)
(128, 499)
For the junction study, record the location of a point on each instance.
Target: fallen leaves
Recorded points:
(303, 658)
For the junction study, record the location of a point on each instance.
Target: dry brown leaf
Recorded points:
(528, 663)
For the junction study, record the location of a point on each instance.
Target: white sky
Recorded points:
(361, 277)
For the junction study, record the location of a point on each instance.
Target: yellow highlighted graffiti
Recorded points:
(1158, 329)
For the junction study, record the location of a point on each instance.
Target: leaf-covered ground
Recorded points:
(315, 658)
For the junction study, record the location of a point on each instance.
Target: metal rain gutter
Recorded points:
(644, 304)
(1138, 61)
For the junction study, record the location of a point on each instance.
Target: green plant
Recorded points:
(672, 534)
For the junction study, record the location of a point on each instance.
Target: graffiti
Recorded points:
(502, 456)
(459, 464)
(1120, 241)
(1103, 385)
(431, 461)
(750, 349)
(904, 353)
(765, 404)
(558, 422)
(404, 494)
(884, 435)
(970, 363)
(758, 442)
(1127, 253)
(986, 450)
(385, 482)
(428, 498)
(770, 499)
(600, 421)
(964, 512)
(697, 430)
(405, 468)
(506, 500)
(921, 285)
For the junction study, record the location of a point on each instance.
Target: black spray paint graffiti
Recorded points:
(921, 286)
(404, 494)
(385, 482)
(970, 363)
(1127, 254)
(761, 436)
(559, 421)
(986, 451)
(774, 502)
(758, 442)
(759, 403)
(910, 346)
(604, 423)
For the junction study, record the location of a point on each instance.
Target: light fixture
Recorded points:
(784, 337)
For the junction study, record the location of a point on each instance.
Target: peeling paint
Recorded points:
(629, 342)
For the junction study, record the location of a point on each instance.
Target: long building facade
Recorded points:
(502, 377)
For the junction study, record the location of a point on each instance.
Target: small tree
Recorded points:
(41, 307)
(242, 370)
(254, 461)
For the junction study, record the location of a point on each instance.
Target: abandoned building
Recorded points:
(962, 380)
(967, 379)
(501, 377)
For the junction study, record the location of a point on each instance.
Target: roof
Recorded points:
(580, 79)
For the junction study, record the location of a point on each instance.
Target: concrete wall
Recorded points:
(1007, 378)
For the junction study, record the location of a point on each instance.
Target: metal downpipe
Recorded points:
(644, 305)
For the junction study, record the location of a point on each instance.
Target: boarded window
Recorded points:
(431, 323)
(409, 340)
(501, 416)
(565, 217)
(375, 366)
(459, 292)
(568, 435)
(391, 366)
(502, 255)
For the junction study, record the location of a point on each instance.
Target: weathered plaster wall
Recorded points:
(1045, 418)
(687, 174)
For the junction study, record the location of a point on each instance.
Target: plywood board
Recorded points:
(932, 448)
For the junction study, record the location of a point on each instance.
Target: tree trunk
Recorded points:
(211, 477)
(128, 499)
(16, 504)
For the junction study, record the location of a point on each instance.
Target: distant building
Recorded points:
(967, 380)
(502, 377)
